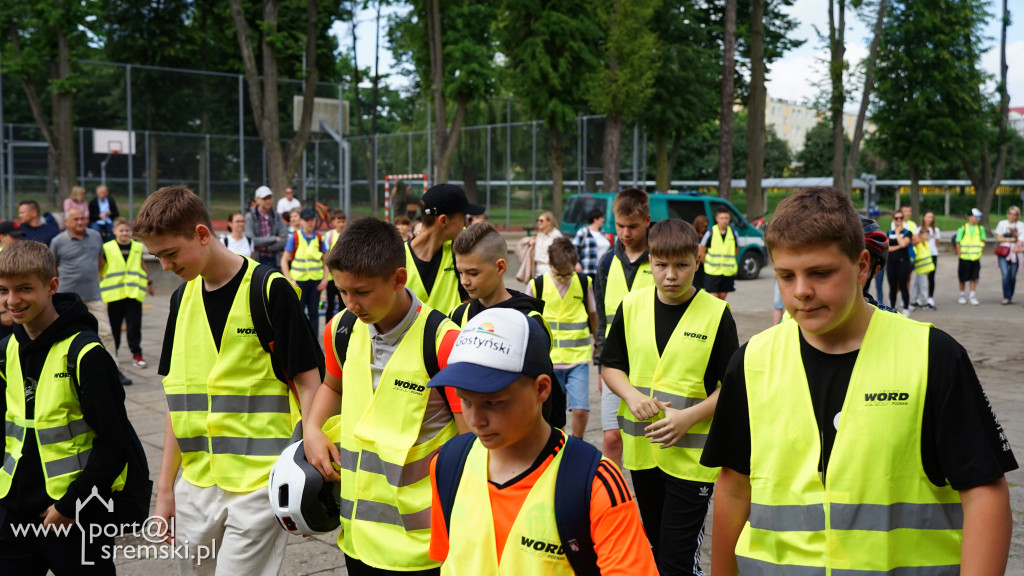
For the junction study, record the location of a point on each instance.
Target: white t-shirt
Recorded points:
(603, 245)
(1004, 228)
(934, 235)
(286, 205)
(242, 247)
(540, 249)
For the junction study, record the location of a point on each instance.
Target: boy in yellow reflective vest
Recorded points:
(923, 264)
(303, 265)
(503, 518)
(718, 253)
(233, 400)
(124, 283)
(665, 355)
(622, 269)
(830, 463)
(569, 310)
(969, 244)
(391, 423)
(60, 445)
(429, 261)
(480, 253)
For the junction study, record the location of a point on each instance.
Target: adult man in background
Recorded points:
(265, 229)
(79, 254)
(287, 204)
(102, 212)
(32, 226)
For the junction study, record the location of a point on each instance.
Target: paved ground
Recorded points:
(990, 332)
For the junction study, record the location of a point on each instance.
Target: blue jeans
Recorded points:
(1009, 272)
(575, 382)
(879, 282)
(310, 299)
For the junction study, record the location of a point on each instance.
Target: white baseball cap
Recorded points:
(494, 349)
(976, 213)
(263, 192)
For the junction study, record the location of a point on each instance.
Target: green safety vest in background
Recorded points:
(63, 437)
(123, 279)
(876, 512)
(385, 474)
(231, 414)
(676, 375)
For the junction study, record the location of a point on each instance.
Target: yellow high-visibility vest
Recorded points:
(63, 437)
(122, 278)
(568, 319)
(308, 263)
(677, 375)
(971, 242)
(230, 413)
(444, 294)
(720, 259)
(615, 287)
(876, 511)
(923, 262)
(385, 474)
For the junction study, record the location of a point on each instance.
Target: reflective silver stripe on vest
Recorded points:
(243, 404)
(609, 318)
(67, 465)
(752, 567)
(788, 518)
(903, 571)
(381, 513)
(348, 458)
(63, 433)
(396, 475)
(568, 326)
(689, 440)
(188, 402)
(15, 431)
(9, 463)
(241, 446)
(573, 343)
(678, 402)
(883, 518)
(631, 428)
(196, 444)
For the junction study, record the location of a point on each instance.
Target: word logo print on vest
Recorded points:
(695, 335)
(886, 398)
(417, 389)
(60, 375)
(541, 547)
(246, 332)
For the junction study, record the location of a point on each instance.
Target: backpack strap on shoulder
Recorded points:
(433, 322)
(79, 343)
(459, 313)
(451, 461)
(538, 287)
(573, 488)
(259, 307)
(585, 285)
(342, 334)
(3, 356)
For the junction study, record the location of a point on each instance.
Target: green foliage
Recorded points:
(698, 153)
(624, 83)
(816, 156)
(928, 103)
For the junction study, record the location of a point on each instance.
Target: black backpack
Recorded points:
(131, 503)
(573, 487)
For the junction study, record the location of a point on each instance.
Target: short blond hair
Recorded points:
(28, 258)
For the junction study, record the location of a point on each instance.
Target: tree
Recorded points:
(987, 178)
(756, 107)
(837, 65)
(817, 156)
(622, 86)
(46, 40)
(689, 62)
(865, 99)
(282, 162)
(728, 72)
(548, 52)
(929, 104)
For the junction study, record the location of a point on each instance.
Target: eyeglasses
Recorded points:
(562, 277)
(897, 217)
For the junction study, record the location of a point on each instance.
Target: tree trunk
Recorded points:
(63, 117)
(610, 152)
(662, 173)
(368, 147)
(755, 117)
(869, 84)
(987, 183)
(725, 123)
(838, 100)
(915, 192)
(673, 157)
(557, 164)
(371, 173)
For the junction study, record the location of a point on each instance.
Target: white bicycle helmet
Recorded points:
(303, 501)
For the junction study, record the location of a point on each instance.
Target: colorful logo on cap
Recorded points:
(486, 327)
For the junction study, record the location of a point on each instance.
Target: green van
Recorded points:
(752, 254)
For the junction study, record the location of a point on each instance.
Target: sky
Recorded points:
(794, 76)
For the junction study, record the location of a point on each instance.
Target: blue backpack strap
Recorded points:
(433, 322)
(573, 488)
(451, 461)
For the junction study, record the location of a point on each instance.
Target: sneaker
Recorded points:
(961, 300)
(906, 312)
(974, 300)
(138, 361)
(911, 308)
(125, 381)
(929, 306)
(931, 303)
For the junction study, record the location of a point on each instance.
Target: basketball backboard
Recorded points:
(112, 142)
(325, 109)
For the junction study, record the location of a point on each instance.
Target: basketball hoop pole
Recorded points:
(103, 167)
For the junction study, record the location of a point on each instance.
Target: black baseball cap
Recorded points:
(7, 228)
(307, 213)
(448, 199)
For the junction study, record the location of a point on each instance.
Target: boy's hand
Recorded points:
(322, 285)
(673, 426)
(164, 510)
(53, 518)
(321, 453)
(642, 407)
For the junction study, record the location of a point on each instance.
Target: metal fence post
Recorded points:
(206, 160)
(508, 165)
(131, 145)
(4, 201)
(241, 146)
(488, 206)
(533, 186)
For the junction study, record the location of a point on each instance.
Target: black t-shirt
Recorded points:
(666, 318)
(125, 250)
(428, 272)
(902, 253)
(962, 442)
(295, 344)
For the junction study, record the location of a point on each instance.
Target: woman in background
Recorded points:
(236, 241)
